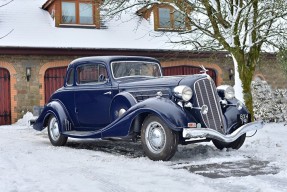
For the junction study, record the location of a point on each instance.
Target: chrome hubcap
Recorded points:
(54, 129)
(155, 137)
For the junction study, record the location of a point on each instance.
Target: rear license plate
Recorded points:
(243, 118)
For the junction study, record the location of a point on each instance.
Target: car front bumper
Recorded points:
(213, 134)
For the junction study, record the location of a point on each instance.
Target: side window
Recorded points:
(70, 77)
(92, 73)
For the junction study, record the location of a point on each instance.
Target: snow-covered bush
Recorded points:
(269, 105)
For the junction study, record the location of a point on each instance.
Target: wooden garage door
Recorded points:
(5, 100)
(53, 79)
(187, 70)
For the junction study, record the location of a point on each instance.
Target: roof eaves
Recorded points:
(109, 51)
(46, 5)
(145, 11)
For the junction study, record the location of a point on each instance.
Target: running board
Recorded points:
(82, 134)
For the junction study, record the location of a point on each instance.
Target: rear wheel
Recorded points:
(158, 141)
(56, 138)
(234, 145)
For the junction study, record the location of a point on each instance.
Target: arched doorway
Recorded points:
(53, 80)
(5, 97)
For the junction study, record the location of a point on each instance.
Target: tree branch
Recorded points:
(7, 34)
(6, 3)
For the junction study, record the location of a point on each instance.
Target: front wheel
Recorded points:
(56, 138)
(234, 145)
(158, 141)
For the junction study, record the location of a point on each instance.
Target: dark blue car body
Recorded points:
(117, 107)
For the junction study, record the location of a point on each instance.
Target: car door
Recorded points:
(93, 96)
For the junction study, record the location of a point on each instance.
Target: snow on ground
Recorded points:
(28, 162)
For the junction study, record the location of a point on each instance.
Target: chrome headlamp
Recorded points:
(227, 91)
(182, 92)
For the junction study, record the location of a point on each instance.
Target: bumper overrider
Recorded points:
(213, 134)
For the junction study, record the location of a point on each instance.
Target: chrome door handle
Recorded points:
(108, 93)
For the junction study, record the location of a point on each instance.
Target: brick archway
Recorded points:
(13, 91)
(42, 74)
(196, 64)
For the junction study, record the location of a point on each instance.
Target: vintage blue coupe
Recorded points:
(127, 97)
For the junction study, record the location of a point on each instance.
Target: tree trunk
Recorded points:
(246, 77)
(246, 71)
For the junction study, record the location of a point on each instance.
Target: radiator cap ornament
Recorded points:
(203, 70)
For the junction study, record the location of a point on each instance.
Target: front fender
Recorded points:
(230, 114)
(172, 114)
(53, 108)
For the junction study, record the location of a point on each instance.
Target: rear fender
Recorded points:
(53, 108)
(172, 114)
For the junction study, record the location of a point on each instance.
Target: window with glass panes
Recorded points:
(77, 12)
(170, 19)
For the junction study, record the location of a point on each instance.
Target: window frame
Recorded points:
(134, 61)
(172, 20)
(70, 73)
(77, 13)
(77, 79)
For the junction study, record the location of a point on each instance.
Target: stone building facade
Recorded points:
(24, 93)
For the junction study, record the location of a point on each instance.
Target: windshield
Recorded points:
(126, 69)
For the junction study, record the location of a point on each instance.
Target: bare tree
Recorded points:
(282, 57)
(2, 5)
(244, 28)
(6, 3)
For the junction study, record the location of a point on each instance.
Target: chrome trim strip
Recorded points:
(219, 111)
(135, 94)
(212, 134)
(213, 117)
(197, 96)
(152, 95)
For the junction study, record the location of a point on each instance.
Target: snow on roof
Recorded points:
(33, 27)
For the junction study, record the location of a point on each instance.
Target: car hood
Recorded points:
(143, 83)
(143, 89)
(162, 82)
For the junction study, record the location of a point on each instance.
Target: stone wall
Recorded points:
(28, 92)
(271, 71)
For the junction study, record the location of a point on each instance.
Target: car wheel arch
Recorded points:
(123, 100)
(138, 121)
(56, 109)
(146, 107)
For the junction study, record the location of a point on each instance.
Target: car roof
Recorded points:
(109, 59)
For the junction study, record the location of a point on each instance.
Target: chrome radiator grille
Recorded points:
(206, 95)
